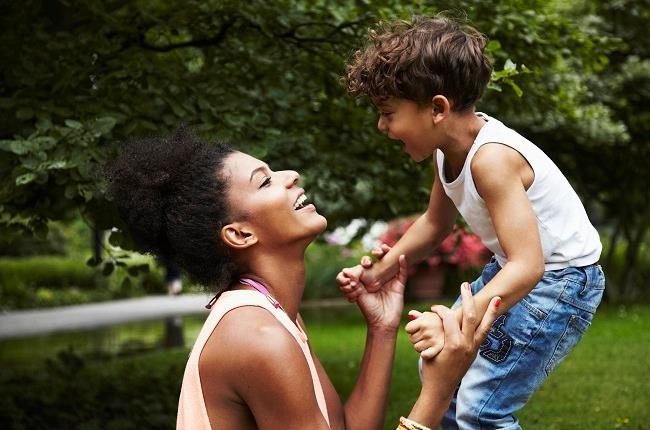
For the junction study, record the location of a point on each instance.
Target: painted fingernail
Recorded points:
(497, 303)
(411, 317)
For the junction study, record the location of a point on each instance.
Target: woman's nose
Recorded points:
(292, 178)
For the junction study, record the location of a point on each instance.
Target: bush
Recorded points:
(323, 263)
(47, 281)
(71, 392)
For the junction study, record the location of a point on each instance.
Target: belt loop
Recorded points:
(588, 277)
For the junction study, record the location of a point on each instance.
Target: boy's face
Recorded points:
(404, 120)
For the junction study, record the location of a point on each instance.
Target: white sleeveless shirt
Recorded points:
(568, 238)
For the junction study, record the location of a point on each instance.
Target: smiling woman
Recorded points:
(233, 223)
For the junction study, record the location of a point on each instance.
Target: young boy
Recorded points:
(425, 78)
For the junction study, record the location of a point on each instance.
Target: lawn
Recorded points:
(603, 383)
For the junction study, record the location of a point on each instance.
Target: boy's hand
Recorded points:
(441, 376)
(383, 309)
(350, 279)
(426, 333)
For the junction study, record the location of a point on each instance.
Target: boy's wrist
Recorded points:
(368, 276)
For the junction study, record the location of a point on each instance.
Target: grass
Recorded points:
(601, 385)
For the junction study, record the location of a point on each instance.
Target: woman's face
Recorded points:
(275, 207)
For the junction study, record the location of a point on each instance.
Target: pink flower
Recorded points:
(461, 248)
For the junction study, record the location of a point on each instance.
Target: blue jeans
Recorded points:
(524, 346)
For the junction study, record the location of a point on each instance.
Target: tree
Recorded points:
(78, 77)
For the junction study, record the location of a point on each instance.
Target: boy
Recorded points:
(425, 78)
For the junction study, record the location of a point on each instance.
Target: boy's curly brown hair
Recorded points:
(420, 59)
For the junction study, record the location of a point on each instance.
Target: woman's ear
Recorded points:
(238, 236)
(440, 108)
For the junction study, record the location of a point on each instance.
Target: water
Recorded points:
(121, 340)
(135, 338)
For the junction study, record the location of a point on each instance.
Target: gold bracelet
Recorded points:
(407, 424)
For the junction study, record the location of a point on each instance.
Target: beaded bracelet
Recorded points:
(407, 424)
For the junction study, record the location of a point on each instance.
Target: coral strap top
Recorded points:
(192, 412)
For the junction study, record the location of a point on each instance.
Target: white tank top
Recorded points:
(568, 237)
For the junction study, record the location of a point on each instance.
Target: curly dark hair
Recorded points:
(171, 193)
(420, 59)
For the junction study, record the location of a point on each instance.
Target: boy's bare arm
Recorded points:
(504, 193)
(418, 242)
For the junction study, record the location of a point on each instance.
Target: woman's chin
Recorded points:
(319, 227)
(323, 226)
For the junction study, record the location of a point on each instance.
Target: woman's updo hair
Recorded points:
(171, 194)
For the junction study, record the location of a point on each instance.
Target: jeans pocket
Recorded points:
(575, 328)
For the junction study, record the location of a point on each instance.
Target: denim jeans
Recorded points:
(524, 346)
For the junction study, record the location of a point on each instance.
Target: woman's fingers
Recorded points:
(486, 323)
(469, 312)
(450, 326)
(366, 262)
(403, 270)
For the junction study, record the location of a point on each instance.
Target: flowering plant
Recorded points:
(461, 248)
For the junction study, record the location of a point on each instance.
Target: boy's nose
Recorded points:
(381, 125)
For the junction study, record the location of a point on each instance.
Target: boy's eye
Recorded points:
(266, 182)
(386, 113)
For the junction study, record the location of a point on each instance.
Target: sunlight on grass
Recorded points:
(602, 385)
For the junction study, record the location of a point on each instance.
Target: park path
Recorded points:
(26, 323)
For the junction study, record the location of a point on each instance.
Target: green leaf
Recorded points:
(73, 124)
(102, 125)
(25, 179)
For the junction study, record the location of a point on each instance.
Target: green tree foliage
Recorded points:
(78, 77)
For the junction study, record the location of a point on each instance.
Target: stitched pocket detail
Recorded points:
(573, 332)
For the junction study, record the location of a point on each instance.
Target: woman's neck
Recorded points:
(283, 276)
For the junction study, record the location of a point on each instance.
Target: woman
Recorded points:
(231, 222)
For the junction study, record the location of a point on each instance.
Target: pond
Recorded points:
(120, 340)
(129, 339)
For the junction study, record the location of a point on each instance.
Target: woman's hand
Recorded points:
(349, 279)
(442, 374)
(383, 308)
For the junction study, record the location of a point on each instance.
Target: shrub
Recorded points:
(461, 248)
(323, 263)
(46, 281)
(71, 392)
(459, 258)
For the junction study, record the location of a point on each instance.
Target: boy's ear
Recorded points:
(238, 236)
(440, 108)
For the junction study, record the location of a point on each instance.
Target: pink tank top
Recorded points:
(192, 413)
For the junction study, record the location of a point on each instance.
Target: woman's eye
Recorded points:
(266, 182)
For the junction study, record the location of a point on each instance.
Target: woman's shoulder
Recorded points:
(247, 334)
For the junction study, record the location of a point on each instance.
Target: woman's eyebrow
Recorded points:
(264, 168)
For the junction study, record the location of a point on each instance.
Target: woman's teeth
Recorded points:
(300, 203)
